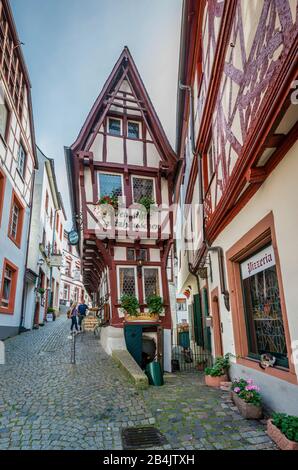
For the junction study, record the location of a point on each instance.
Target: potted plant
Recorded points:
(147, 202)
(201, 364)
(155, 305)
(110, 200)
(130, 306)
(51, 315)
(41, 290)
(283, 430)
(218, 372)
(247, 398)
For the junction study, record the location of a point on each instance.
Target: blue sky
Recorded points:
(71, 47)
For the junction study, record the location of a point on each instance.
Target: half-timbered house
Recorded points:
(122, 153)
(237, 139)
(17, 162)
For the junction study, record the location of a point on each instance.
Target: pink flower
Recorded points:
(252, 387)
(236, 389)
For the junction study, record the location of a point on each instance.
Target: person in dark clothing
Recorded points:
(74, 316)
(82, 309)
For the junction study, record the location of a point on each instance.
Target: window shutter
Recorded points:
(197, 316)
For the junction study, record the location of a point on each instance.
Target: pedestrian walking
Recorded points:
(82, 310)
(74, 317)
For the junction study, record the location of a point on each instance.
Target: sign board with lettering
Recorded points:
(259, 262)
(73, 237)
(56, 261)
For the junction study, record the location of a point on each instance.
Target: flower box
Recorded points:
(142, 317)
(279, 438)
(215, 381)
(247, 410)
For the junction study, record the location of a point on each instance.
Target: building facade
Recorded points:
(17, 163)
(237, 138)
(72, 288)
(45, 246)
(122, 154)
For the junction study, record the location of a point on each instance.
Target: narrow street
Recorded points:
(47, 403)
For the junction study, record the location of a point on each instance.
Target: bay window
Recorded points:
(151, 282)
(127, 281)
(110, 185)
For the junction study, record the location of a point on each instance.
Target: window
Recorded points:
(264, 323)
(142, 187)
(47, 202)
(115, 126)
(4, 115)
(16, 220)
(2, 190)
(133, 130)
(151, 282)
(127, 282)
(143, 254)
(66, 291)
(131, 254)
(8, 287)
(21, 166)
(68, 269)
(110, 185)
(210, 162)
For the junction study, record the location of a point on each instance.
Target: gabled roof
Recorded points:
(124, 69)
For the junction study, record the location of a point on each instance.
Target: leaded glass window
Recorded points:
(114, 126)
(21, 160)
(127, 281)
(264, 322)
(6, 287)
(151, 282)
(133, 130)
(142, 187)
(131, 254)
(3, 119)
(110, 185)
(14, 221)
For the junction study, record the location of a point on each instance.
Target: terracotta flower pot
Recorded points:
(215, 381)
(248, 410)
(279, 438)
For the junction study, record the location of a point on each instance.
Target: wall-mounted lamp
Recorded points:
(139, 266)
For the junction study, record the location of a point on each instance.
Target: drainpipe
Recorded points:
(216, 249)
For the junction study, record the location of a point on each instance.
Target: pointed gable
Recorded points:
(125, 98)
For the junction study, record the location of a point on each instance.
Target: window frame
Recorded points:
(110, 118)
(23, 172)
(144, 178)
(159, 278)
(16, 200)
(2, 192)
(139, 129)
(9, 310)
(135, 278)
(109, 174)
(8, 120)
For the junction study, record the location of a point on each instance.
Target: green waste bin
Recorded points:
(154, 373)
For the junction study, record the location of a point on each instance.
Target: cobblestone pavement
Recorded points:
(48, 403)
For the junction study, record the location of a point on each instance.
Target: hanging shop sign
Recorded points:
(259, 262)
(73, 237)
(56, 261)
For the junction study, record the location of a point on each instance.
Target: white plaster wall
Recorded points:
(153, 157)
(97, 148)
(134, 152)
(120, 253)
(115, 149)
(154, 254)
